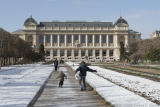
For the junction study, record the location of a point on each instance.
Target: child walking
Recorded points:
(61, 77)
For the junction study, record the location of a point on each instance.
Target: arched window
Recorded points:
(110, 38)
(97, 52)
(75, 37)
(54, 52)
(69, 38)
(83, 52)
(62, 52)
(54, 38)
(69, 52)
(103, 38)
(104, 53)
(110, 52)
(89, 38)
(83, 38)
(76, 52)
(47, 53)
(96, 38)
(61, 38)
(90, 52)
(48, 37)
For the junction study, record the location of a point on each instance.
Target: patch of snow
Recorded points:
(118, 96)
(142, 86)
(19, 84)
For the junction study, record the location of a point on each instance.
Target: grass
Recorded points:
(147, 67)
(151, 76)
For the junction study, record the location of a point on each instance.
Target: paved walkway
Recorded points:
(68, 96)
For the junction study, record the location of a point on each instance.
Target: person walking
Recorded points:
(56, 64)
(83, 68)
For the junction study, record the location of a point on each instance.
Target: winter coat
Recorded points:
(83, 70)
(56, 63)
(61, 76)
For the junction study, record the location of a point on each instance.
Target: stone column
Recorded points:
(35, 42)
(116, 53)
(79, 53)
(107, 40)
(58, 40)
(51, 41)
(44, 40)
(72, 40)
(86, 40)
(65, 40)
(115, 40)
(86, 52)
(79, 38)
(126, 41)
(108, 53)
(51, 54)
(93, 52)
(24, 37)
(100, 53)
(100, 40)
(93, 40)
(65, 53)
(72, 52)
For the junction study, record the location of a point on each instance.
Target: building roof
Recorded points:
(3, 31)
(133, 32)
(75, 24)
(121, 21)
(30, 21)
(19, 31)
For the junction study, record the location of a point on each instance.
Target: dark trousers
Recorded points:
(56, 67)
(60, 83)
(82, 78)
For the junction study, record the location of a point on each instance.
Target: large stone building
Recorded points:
(79, 40)
(155, 34)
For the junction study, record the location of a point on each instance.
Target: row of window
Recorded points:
(83, 52)
(3, 44)
(75, 38)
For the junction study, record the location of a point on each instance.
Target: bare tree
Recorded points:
(140, 49)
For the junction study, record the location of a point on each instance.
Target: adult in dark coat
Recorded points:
(83, 68)
(56, 64)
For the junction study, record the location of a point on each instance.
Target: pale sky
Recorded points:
(142, 15)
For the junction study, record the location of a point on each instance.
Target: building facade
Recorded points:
(155, 34)
(79, 40)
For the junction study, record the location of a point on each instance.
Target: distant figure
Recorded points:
(61, 61)
(56, 64)
(61, 76)
(83, 68)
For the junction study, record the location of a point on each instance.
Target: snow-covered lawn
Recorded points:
(19, 84)
(141, 86)
(119, 96)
